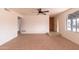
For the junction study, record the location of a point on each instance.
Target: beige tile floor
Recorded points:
(39, 42)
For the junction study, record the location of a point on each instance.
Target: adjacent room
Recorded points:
(39, 28)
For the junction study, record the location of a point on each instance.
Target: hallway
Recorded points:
(39, 42)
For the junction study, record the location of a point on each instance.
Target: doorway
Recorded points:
(51, 24)
(19, 24)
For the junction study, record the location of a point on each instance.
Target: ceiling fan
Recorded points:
(40, 11)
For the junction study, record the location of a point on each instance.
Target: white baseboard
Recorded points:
(33, 33)
(53, 33)
(8, 39)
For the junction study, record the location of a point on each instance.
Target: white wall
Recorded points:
(61, 18)
(8, 26)
(35, 24)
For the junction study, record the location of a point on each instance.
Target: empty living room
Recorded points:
(39, 28)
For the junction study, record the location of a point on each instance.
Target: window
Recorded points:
(74, 25)
(73, 22)
(69, 25)
(77, 24)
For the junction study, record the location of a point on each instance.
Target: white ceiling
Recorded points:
(33, 11)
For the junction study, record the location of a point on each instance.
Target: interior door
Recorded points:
(51, 24)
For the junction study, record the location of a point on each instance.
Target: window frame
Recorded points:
(72, 23)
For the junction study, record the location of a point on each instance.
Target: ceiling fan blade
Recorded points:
(42, 13)
(46, 11)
